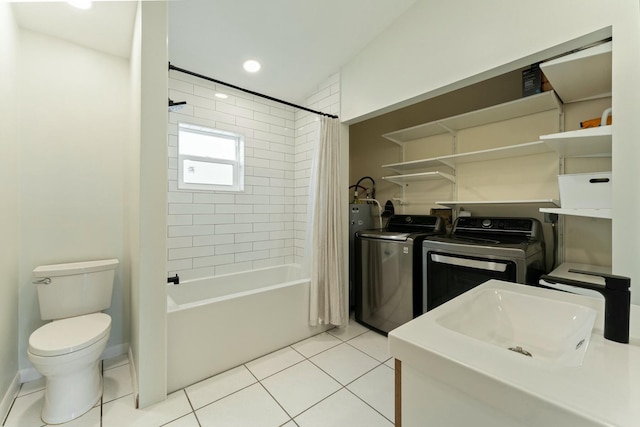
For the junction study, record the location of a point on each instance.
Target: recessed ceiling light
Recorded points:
(81, 4)
(251, 66)
(221, 95)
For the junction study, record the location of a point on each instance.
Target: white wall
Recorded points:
(149, 298)
(213, 233)
(9, 214)
(74, 130)
(437, 47)
(131, 264)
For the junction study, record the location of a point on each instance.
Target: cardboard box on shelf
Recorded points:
(594, 123)
(531, 80)
(534, 81)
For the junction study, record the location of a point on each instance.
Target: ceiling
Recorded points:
(300, 43)
(107, 26)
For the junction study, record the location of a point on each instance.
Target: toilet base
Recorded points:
(69, 396)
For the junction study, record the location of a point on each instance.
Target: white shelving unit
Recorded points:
(590, 142)
(509, 110)
(552, 203)
(415, 177)
(545, 101)
(590, 213)
(582, 75)
(526, 149)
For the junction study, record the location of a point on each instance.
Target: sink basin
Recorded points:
(545, 329)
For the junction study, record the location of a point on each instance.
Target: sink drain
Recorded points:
(521, 350)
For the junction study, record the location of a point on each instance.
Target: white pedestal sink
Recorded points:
(457, 369)
(545, 329)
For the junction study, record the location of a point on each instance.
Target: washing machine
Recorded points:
(388, 281)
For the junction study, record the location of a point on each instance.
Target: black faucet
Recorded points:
(617, 300)
(175, 279)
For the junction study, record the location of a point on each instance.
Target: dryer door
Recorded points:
(448, 275)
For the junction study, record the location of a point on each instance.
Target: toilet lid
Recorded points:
(69, 335)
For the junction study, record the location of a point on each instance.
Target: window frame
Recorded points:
(237, 164)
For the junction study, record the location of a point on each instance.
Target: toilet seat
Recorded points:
(69, 335)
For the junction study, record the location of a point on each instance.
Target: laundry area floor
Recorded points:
(343, 377)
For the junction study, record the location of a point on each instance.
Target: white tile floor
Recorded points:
(338, 378)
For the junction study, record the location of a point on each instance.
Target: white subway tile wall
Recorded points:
(214, 233)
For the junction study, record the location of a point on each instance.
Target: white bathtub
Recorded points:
(217, 323)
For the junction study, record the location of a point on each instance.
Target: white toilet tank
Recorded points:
(74, 289)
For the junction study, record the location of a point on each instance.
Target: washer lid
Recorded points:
(384, 235)
(69, 335)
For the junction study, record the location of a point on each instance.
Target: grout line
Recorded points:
(10, 408)
(350, 382)
(320, 401)
(226, 395)
(179, 418)
(304, 358)
(269, 393)
(322, 351)
(281, 370)
(193, 410)
(118, 398)
(276, 400)
(102, 395)
(364, 352)
(30, 393)
(290, 421)
(366, 403)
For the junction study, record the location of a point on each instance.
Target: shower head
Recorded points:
(175, 106)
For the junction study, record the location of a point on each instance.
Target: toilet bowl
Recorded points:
(67, 352)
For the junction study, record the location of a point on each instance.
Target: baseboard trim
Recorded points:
(115, 350)
(9, 396)
(29, 374)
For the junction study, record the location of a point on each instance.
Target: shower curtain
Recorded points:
(327, 299)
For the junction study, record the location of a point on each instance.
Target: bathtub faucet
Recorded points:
(175, 279)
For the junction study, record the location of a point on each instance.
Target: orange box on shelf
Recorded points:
(594, 123)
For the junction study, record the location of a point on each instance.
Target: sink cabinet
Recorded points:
(448, 378)
(454, 396)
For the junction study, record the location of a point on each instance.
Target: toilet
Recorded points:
(67, 350)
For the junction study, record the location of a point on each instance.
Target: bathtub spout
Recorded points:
(175, 279)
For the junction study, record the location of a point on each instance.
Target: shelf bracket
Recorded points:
(448, 177)
(451, 165)
(393, 181)
(448, 129)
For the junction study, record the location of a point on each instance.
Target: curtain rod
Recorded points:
(270, 98)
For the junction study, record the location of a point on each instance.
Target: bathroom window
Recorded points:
(209, 159)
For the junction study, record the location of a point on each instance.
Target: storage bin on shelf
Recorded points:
(585, 190)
